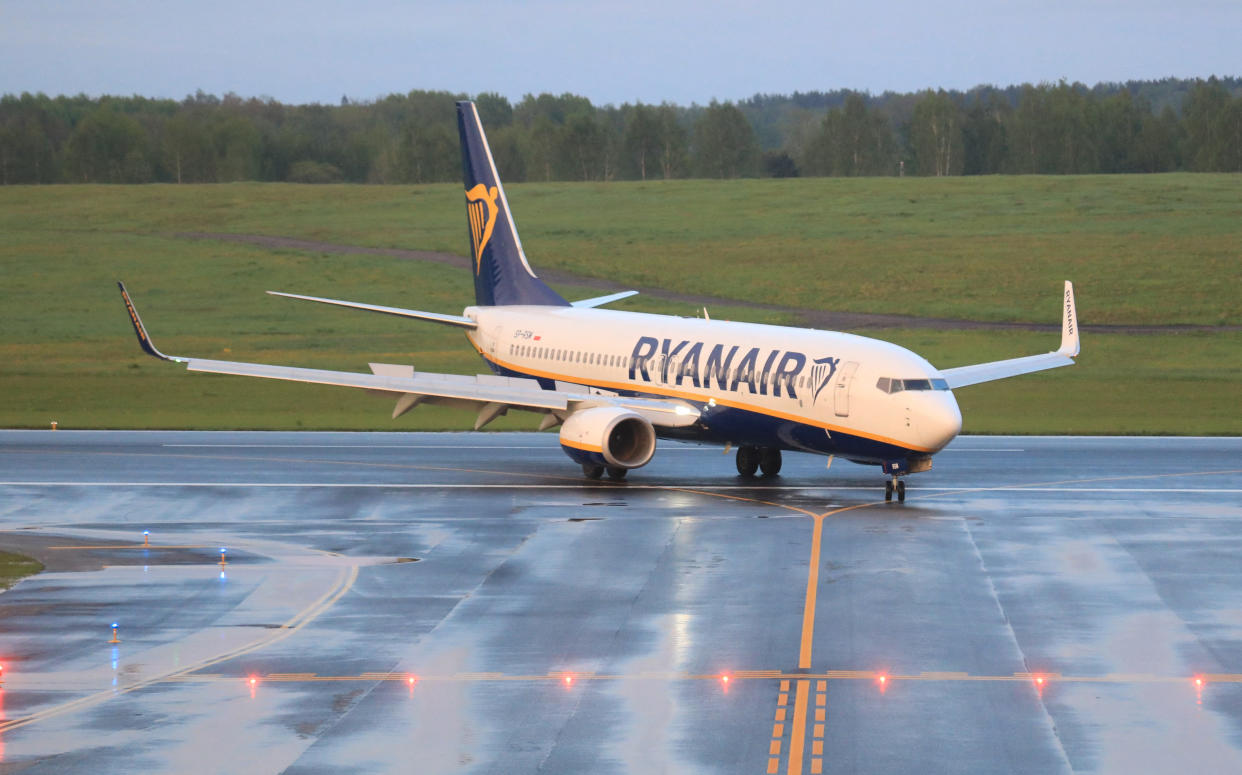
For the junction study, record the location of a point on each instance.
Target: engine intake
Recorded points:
(608, 436)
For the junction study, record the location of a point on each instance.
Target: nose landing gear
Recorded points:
(897, 485)
(899, 468)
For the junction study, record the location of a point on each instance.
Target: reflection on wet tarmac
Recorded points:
(1024, 610)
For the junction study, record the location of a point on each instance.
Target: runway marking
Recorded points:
(498, 447)
(501, 448)
(806, 643)
(797, 732)
(708, 492)
(820, 708)
(817, 745)
(705, 489)
(297, 622)
(139, 546)
(978, 449)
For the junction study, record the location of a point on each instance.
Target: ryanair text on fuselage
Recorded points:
(721, 366)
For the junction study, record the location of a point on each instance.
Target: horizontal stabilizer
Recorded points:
(433, 317)
(600, 301)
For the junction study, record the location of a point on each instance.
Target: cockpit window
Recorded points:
(892, 385)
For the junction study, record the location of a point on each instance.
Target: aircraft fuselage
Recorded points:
(770, 386)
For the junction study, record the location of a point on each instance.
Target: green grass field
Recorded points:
(1148, 250)
(15, 567)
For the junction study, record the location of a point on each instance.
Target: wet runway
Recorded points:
(467, 602)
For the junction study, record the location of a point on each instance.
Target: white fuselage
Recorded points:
(807, 382)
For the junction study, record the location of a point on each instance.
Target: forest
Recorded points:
(1048, 128)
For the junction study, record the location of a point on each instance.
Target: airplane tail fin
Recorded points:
(501, 273)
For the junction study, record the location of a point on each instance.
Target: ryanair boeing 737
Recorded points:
(615, 381)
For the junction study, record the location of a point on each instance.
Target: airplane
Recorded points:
(615, 381)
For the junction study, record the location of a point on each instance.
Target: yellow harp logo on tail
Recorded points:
(482, 209)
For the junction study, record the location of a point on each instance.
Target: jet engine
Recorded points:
(608, 436)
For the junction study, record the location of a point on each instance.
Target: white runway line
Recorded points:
(592, 486)
(499, 447)
(423, 448)
(981, 449)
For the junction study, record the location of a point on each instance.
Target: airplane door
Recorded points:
(841, 389)
(495, 343)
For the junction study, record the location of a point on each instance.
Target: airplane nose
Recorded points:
(940, 421)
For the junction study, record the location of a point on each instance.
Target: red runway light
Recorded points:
(1198, 680)
(410, 680)
(569, 679)
(725, 678)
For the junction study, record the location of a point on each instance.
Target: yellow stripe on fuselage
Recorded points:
(666, 392)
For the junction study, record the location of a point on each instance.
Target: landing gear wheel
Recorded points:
(592, 471)
(770, 461)
(747, 460)
(901, 491)
(888, 491)
(617, 474)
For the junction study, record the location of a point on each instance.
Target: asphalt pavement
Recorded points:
(469, 603)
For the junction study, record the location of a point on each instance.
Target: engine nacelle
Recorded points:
(608, 436)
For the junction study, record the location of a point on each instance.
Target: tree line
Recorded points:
(1061, 128)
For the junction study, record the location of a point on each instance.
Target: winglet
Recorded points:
(143, 340)
(1069, 324)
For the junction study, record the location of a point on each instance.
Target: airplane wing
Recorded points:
(1063, 356)
(493, 396)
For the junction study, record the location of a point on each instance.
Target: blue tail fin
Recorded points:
(501, 274)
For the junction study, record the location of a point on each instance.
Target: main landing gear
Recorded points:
(593, 471)
(751, 459)
(897, 485)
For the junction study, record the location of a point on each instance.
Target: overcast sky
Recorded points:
(683, 52)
